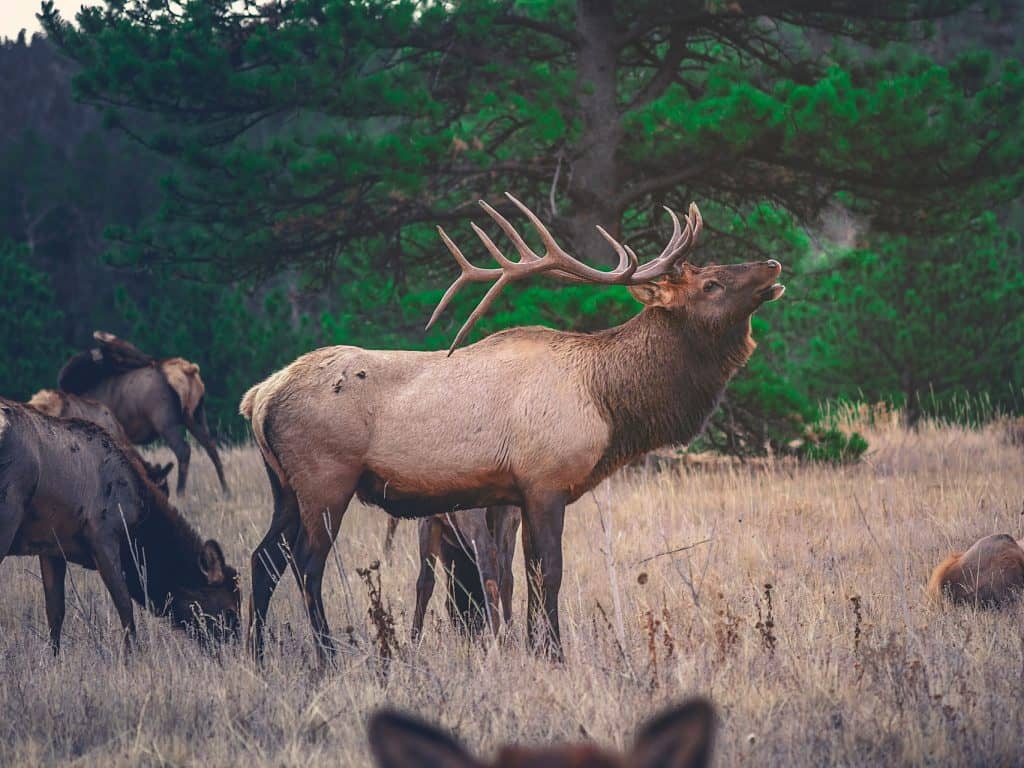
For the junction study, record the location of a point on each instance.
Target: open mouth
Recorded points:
(771, 293)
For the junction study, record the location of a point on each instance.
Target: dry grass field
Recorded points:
(849, 664)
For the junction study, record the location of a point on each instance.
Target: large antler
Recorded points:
(557, 262)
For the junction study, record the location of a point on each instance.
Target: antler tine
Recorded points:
(470, 274)
(525, 254)
(481, 308)
(555, 262)
(627, 259)
(698, 222)
(682, 242)
(566, 264)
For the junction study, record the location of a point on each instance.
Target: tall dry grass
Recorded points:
(849, 665)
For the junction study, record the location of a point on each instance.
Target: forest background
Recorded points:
(240, 182)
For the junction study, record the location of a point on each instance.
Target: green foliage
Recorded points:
(833, 446)
(235, 339)
(920, 318)
(29, 325)
(311, 147)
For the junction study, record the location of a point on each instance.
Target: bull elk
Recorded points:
(151, 398)
(990, 573)
(70, 494)
(679, 737)
(530, 416)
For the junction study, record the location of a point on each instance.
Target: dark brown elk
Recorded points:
(70, 494)
(64, 405)
(474, 548)
(532, 417)
(151, 398)
(990, 573)
(679, 737)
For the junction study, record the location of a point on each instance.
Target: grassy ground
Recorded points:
(849, 664)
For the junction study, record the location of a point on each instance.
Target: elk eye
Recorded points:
(711, 286)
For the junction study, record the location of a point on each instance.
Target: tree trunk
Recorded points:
(595, 171)
(912, 403)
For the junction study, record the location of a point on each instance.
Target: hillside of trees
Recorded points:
(241, 182)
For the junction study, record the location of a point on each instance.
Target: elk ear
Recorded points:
(211, 562)
(157, 473)
(400, 741)
(680, 737)
(655, 294)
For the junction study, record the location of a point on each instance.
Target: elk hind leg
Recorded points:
(197, 425)
(320, 518)
(174, 436)
(270, 559)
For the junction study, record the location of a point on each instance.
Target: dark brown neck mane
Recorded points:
(167, 548)
(657, 379)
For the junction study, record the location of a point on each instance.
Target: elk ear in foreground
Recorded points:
(680, 737)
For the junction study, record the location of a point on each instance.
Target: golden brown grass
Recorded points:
(852, 665)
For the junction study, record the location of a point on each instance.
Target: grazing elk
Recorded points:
(150, 398)
(475, 548)
(70, 494)
(530, 416)
(679, 737)
(63, 405)
(989, 574)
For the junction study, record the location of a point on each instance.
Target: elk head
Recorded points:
(680, 737)
(714, 297)
(210, 609)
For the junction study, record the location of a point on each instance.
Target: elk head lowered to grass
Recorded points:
(474, 548)
(680, 737)
(532, 417)
(70, 494)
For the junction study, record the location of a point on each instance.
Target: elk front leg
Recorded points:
(543, 519)
(107, 556)
(53, 570)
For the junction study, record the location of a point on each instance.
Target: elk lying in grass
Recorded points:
(680, 737)
(474, 547)
(532, 417)
(63, 405)
(150, 398)
(69, 493)
(990, 573)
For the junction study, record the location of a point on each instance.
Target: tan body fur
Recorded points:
(989, 573)
(496, 443)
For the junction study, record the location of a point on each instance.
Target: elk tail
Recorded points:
(183, 376)
(254, 407)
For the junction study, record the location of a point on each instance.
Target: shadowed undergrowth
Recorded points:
(802, 615)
